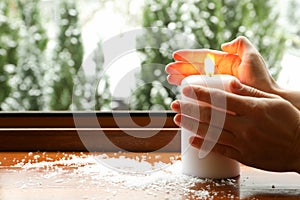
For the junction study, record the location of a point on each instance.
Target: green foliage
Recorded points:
(9, 36)
(293, 25)
(31, 18)
(74, 88)
(209, 24)
(91, 90)
(68, 56)
(102, 94)
(36, 77)
(27, 82)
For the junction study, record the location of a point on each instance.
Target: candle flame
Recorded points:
(209, 65)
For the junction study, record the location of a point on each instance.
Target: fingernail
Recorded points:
(175, 104)
(177, 56)
(177, 120)
(237, 85)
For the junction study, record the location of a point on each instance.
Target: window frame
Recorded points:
(58, 131)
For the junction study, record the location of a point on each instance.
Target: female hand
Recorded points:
(264, 132)
(240, 59)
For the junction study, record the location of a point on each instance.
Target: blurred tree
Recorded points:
(103, 95)
(9, 35)
(91, 89)
(293, 25)
(209, 24)
(27, 83)
(68, 56)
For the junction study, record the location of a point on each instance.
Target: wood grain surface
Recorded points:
(93, 131)
(65, 181)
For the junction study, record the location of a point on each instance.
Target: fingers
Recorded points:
(202, 129)
(235, 103)
(197, 55)
(179, 70)
(208, 115)
(221, 149)
(240, 101)
(225, 63)
(176, 79)
(184, 68)
(240, 46)
(244, 90)
(229, 65)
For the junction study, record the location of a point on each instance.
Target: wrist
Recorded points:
(296, 165)
(292, 96)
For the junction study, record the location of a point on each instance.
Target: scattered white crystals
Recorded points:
(139, 165)
(59, 180)
(120, 172)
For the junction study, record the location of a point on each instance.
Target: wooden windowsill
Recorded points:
(52, 180)
(58, 131)
(133, 131)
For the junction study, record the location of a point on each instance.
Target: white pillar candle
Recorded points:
(203, 163)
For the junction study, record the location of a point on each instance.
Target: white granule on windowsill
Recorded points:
(135, 174)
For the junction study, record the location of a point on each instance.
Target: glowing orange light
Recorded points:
(209, 65)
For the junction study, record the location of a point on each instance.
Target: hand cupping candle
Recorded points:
(203, 163)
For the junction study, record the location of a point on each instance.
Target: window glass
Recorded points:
(110, 55)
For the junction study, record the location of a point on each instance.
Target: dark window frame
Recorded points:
(58, 131)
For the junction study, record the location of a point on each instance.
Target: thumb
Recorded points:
(241, 45)
(237, 87)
